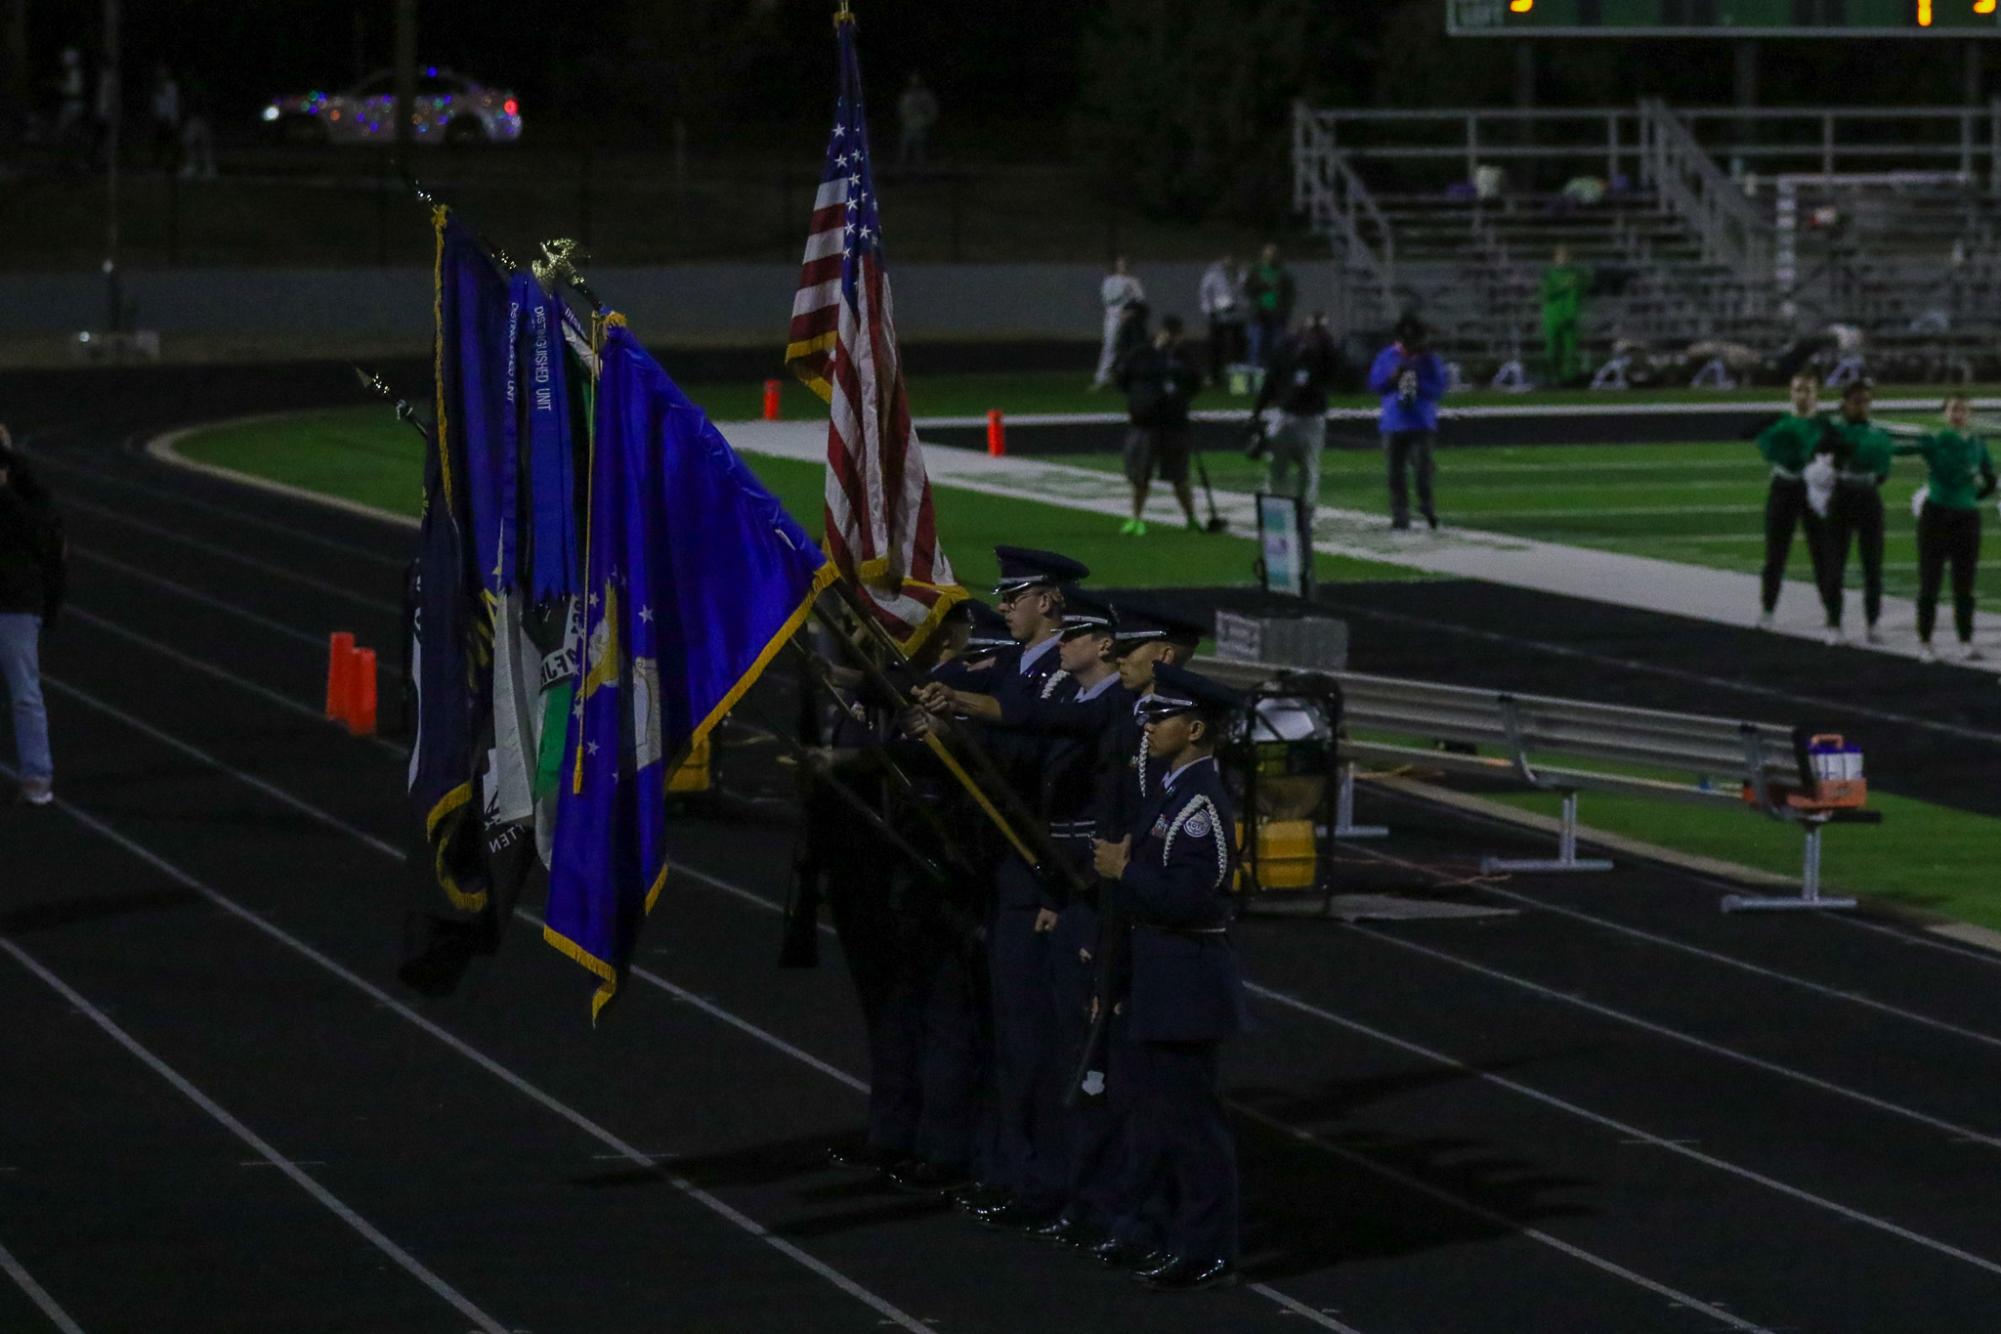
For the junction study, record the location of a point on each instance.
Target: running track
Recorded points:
(1611, 1110)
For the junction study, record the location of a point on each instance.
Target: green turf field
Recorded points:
(1069, 391)
(1697, 503)
(1922, 856)
(364, 454)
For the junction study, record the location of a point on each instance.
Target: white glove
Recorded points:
(1918, 498)
(1819, 478)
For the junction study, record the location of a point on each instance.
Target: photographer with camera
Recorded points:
(1411, 381)
(1302, 370)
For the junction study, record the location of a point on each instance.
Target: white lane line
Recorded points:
(1299, 1308)
(1550, 1100)
(1698, 951)
(300, 1178)
(196, 595)
(196, 753)
(1957, 1132)
(881, 1306)
(37, 1293)
(1497, 1219)
(229, 512)
(193, 663)
(1700, 678)
(715, 1011)
(265, 568)
(1358, 1160)
(718, 1013)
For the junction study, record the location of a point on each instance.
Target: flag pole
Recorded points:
(991, 791)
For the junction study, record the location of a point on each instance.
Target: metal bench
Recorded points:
(1548, 744)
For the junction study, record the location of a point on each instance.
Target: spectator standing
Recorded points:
(1271, 292)
(1302, 371)
(1159, 381)
(1118, 290)
(1222, 296)
(916, 113)
(165, 106)
(31, 587)
(1563, 288)
(197, 135)
(1411, 381)
(1960, 474)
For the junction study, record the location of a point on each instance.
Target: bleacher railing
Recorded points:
(1337, 202)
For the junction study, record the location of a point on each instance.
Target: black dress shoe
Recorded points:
(922, 1178)
(1065, 1231)
(1014, 1216)
(861, 1158)
(979, 1195)
(1191, 1276)
(1115, 1254)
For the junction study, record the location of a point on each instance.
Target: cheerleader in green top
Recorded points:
(1960, 474)
(1789, 445)
(1862, 455)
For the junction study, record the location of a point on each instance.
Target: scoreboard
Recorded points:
(1723, 18)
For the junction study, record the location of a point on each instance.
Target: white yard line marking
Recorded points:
(193, 663)
(299, 1177)
(276, 794)
(1494, 1218)
(1301, 1309)
(263, 567)
(1984, 957)
(1361, 1161)
(1623, 1128)
(1957, 1132)
(196, 595)
(880, 1305)
(177, 500)
(37, 1294)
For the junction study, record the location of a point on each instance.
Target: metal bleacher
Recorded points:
(1697, 223)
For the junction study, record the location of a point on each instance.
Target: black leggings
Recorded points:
(1947, 535)
(1856, 512)
(1785, 510)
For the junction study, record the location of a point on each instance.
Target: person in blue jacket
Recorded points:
(1410, 380)
(1184, 994)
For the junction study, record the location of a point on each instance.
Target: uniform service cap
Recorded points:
(1084, 614)
(1025, 567)
(1139, 624)
(1178, 690)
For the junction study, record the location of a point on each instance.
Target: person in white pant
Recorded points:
(1119, 290)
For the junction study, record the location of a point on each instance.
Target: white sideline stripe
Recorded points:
(881, 1306)
(37, 1293)
(300, 1178)
(228, 512)
(279, 795)
(1359, 1160)
(223, 553)
(196, 595)
(163, 449)
(1700, 678)
(721, 1015)
(1698, 951)
(1627, 1129)
(1475, 514)
(196, 664)
(1495, 1218)
(1487, 412)
(1690, 1039)
(1299, 1308)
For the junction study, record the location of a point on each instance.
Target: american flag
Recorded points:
(881, 528)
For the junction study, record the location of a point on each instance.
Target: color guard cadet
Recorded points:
(1030, 1170)
(1081, 770)
(1184, 994)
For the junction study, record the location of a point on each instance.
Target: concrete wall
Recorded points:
(690, 303)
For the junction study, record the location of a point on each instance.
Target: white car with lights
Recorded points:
(449, 109)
